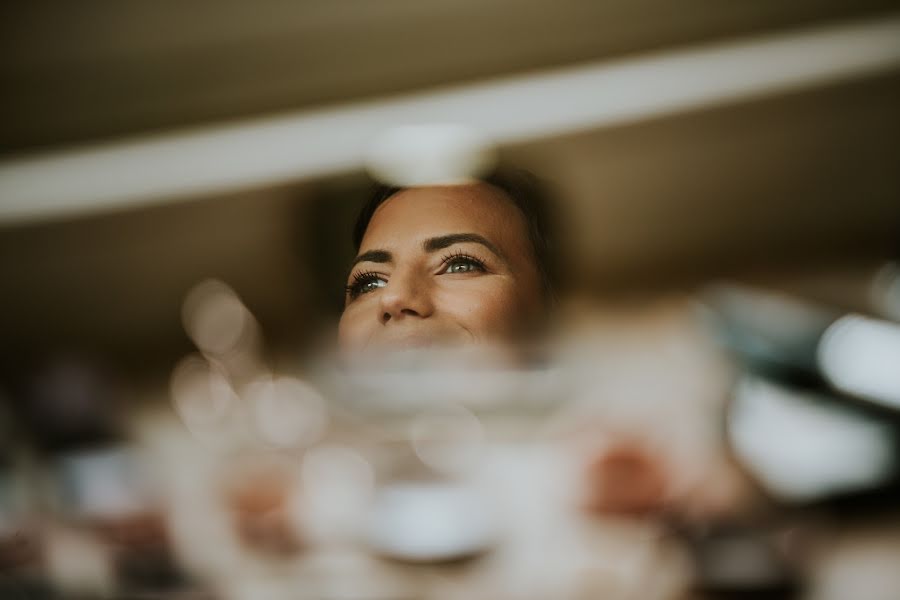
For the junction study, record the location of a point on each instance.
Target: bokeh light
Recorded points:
(447, 438)
(215, 318)
(861, 356)
(201, 393)
(287, 411)
(337, 488)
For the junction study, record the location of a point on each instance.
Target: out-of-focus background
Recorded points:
(779, 180)
(146, 147)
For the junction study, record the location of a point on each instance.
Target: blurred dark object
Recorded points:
(772, 335)
(806, 440)
(742, 562)
(70, 402)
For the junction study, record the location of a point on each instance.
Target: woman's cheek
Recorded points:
(351, 328)
(487, 311)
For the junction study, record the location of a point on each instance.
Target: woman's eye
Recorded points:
(463, 265)
(372, 285)
(365, 283)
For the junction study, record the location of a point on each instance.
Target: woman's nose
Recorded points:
(405, 295)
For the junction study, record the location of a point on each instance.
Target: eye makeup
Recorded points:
(461, 262)
(455, 262)
(365, 282)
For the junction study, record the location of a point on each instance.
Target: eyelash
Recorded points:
(462, 257)
(360, 280)
(355, 289)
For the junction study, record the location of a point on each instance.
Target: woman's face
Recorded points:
(443, 266)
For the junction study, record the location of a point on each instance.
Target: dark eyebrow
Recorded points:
(376, 256)
(445, 241)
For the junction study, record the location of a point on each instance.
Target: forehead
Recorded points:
(416, 214)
